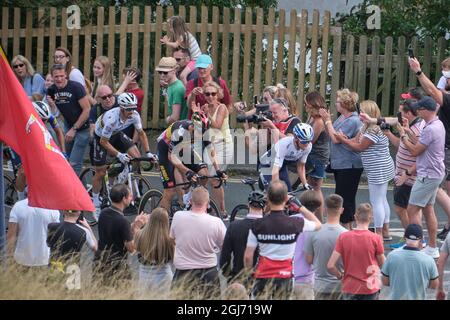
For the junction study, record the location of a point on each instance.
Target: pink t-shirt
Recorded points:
(198, 239)
(358, 250)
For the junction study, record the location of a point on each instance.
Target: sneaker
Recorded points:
(432, 252)
(443, 234)
(399, 244)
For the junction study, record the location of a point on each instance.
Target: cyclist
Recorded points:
(109, 138)
(289, 150)
(180, 154)
(46, 116)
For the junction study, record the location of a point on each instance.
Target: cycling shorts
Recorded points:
(120, 141)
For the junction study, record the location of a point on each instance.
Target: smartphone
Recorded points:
(255, 100)
(400, 118)
(410, 53)
(358, 108)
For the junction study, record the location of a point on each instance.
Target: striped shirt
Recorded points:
(194, 48)
(376, 159)
(404, 160)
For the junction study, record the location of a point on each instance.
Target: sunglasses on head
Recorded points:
(107, 96)
(210, 94)
(18, 66)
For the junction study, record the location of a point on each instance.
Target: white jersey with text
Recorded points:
(285, 149)
(110, 123)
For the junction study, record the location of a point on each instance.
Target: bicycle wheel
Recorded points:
(150, 200)
(213, 209)
(86, 178)
(239, 212)
(140, 186)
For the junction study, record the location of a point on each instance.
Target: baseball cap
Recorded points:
(413, 232)
(166, 64)
(426, 102)
(203, 61)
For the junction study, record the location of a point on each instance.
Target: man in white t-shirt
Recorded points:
(27, 233)
(198, 238)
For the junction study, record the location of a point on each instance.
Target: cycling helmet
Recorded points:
(127, 100)
(42, 109)
(257, 199)
(200, 120)
(304, 132)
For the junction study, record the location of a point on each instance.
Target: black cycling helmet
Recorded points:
(257, 199)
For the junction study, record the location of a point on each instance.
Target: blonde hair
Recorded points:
(216, 86)
(200, 196)
(153, 242)
(26, 62)
(371, 109)
(107, 77)
(446, 63)
(272, 90)
(348, 99)
(364, 212)
(286, 94)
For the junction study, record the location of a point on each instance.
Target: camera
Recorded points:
(262, 114)
(385, 126)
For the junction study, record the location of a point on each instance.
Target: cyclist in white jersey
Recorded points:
(110, 139)
(289, 150)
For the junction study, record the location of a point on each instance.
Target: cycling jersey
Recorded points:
(110, 123)
(53, 122)
(276, 236)
(175, 132)
(285, 149)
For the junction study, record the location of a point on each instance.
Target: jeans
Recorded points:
(154, 280)
(77, 148)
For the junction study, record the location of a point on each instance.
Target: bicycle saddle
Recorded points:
(249, 181)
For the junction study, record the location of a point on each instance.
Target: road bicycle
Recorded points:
(118, 173)
(152, 198)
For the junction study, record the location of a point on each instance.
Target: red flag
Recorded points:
(52, 183)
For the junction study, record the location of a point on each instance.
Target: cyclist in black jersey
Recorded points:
(180, 149)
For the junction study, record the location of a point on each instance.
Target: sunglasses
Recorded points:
(18, 66)
(59, 57)
(179, 59)
(210, 94)
(163, 72)
(107, 96)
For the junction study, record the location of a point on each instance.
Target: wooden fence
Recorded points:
(244, 45)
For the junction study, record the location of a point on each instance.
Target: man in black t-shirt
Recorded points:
(72, 101)
(116, 235)
(66, 239)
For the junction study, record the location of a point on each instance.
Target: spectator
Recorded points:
(319, 246)
(155, 253)
(283, 121)
(269, 93)
(131, 78)
(443, 83)
(197, 246)
(27, 234)
(373, 146)
(430, 168)
(276, 235)
(31, 81)
(345, 163)
(319, 156)
(284, 93)
(236, 291)
(409, 272)
(178, 36)
(220, 136)
(72, 101)
(62, 56)
(183, 58)
(443, 99)
(235, 240)
(116, 236)
(303, 273)
(66, 239)
(194, 91)
(177, 108)
(103, 74)
(362, 255)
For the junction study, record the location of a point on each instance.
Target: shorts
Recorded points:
(167, 168)
(447, 163)
(401, 195)
(315, 168)
(424, 191)
(98, 153)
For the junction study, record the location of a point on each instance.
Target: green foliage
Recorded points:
(407, 18)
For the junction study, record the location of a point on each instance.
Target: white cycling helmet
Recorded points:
(127, 100)
(42, 109)
(304, 132)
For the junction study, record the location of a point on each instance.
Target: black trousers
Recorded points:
(272, 288)
(347, 181)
